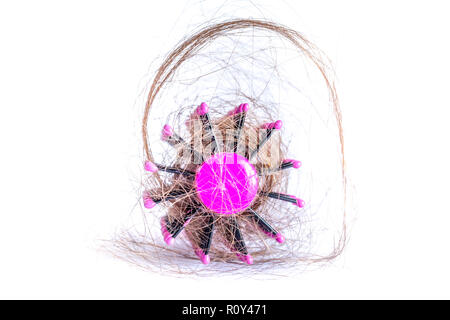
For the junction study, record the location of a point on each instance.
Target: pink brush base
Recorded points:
(239, 109)
(167, 132)
(166, 234)
(273, 125)
(150, 166)
(204, 258)
(295, 163)
(148, 202)
(226, 183)
(245, 258)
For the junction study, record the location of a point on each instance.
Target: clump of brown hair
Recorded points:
(149, 252)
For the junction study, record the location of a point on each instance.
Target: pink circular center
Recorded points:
(226, 183)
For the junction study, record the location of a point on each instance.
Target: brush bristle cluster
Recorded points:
(201, 213)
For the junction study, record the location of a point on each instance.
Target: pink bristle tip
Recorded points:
(280, 238)
(166, 234)
(278, 124)
(205, 259)
(186, 223)
(202, 109)
(248, 259)
(243, 108)
(300, 203)
(295, 163)
(148, 202)
(239, 109)
(273, 125)
(169, 240)
(150, 166)
(167, 131)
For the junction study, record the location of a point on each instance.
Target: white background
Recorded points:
(71, 83)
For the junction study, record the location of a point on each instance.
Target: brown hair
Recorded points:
(152, 250)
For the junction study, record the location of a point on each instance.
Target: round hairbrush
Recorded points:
(222, 186)
(219, 180)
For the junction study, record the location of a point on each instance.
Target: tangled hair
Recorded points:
(146, 248)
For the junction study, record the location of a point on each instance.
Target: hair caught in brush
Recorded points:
(216, 189)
